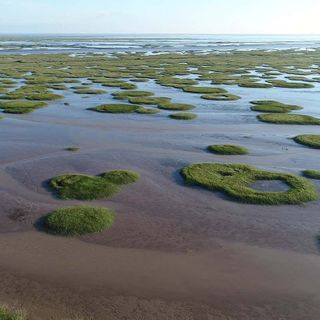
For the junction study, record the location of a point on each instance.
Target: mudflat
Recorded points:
(175, 251)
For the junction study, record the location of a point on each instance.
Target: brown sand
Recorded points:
(233, 281)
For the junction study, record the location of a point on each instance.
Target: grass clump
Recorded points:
(125, 95)
(58, 87)
(121, 177)
(310, 140)
(10, 314)
(149, 100)
(143, 110)
(72, 149)
(227, 149)
(183, 116)
(292, 85)
(271, 106)
(89, 91)
(79, 220)
(279, 118)
(115, 108)
(313, 174)
(221, 97)
(252, 84)
(176, 106)
(84, 187)
(193, 89)
(20, 106)
(235, 180)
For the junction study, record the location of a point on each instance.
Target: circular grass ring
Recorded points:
(227, 149)
(235, 180)
(310, 140)
(183, 116)
(79, 220)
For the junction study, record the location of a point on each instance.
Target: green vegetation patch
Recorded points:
(310, 140)
(227, 149)
(58, 87)
(176, 106)
(279, 118)
(115, 108)
(73, 149)
(313, 174)
(252, 84)
(11, 314)
(89, 91)
(84, 187)
(79, 220)
(293, 85)
(235, 180)
(220, 97)
(149, 100)
(272, 106)
(193, 89)
(183, 116)
(143, 110)
(20, 106)
(125, 95)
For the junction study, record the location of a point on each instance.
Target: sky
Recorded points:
(161, 16)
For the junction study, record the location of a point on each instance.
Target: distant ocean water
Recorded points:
(23, 44)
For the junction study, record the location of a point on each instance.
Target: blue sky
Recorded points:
(160, 16)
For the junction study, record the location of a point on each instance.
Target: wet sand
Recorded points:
(232, 281)
(175, 252)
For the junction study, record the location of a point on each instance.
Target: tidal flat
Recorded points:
(160, 246)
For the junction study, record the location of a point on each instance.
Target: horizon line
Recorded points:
(159, 33)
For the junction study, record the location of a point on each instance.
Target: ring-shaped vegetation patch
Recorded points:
(235, 181)
(85, 187)
(79, 220)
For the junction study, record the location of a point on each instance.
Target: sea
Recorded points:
(151, 43)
